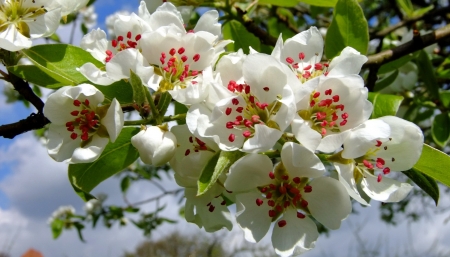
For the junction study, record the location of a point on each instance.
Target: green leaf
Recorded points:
(36, 76)
(386, 81)
(139, 94)
(427, 74)
(276, 28)
(164, 102)
(426, 183)
(384, 105)
(220, 162)
(434, 163)
(180, 108)
(57, 226)
(406, 7)
(121, 90)
(234, 30)
(324, 3)
(440, 129)
(125, 184)
(116, 157)
(422, 11)
(348, 28)
(394, 65)
(445, 98)
(60, 61)
(284, 3)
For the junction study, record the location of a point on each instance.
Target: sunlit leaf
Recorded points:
(384, 105)
(234, 30)
(426, 183)
(434, 163)
(440, 129)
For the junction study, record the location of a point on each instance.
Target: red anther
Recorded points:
(301, 56)
(285, 177)
(247, 133)
(323, 131)
(166, 69)
(386, 170)
(184, 58)
(211, 208)
(235, 101)
(119, 38)
(297, 180)
(367, 164)
(318, 66)
(271, 175)
(331, 124)
(74, 113)
(172, 51)
(239, 87)
(329, 102)
(223, 202)
(69, 124)
(76, 102)
(262, 106)
(343, 122)
(335, 98)
(231, 137)
(316, 94)
(335, 117)
(268, 195)
(312, 103)
(84, 136)
(199, 142)
(294, 190)
(295, 65)
(181, 50)
(307, 189)
(344, 116)
(186, 68)
(378, 143)
(86, 102)
(281, 223)
(194, 73)
(78, 119)
(108, 52)
(203, 147)
(255, 118)
(247, 89)
(306, 75)
(189, 31)
(272, 213)
(286, 204)
(282, 189)
(231, 86)
(322, 103)
(240, 109)
(129, 34)
(326, 64)
(114, 43)
(307, 67)
(321, 115)
(259, 202)
(239, 118)
(300, 215)
(237, 123)
(324, 123)
(264, 189)
(379, 165)
(196, 57)
(73, 136)
(162, 60)
(304, 203)
(289, 60)
(266, 89)
(92, 123)
(379, 178)
(340, 106)
(83, 112)
(137, 37)
(381, 160)
(328, 91)
(325, 74)
(251, 99)
(230, 125)
(271, 203)
(228, 111)
(272, 186)
(191, 140)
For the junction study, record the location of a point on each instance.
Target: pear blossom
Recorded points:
(379, 146)
(257, 111)
(80, 129)
(284, 194)
(22, 20)
(330, 107)
(156, 145)
(208, 210)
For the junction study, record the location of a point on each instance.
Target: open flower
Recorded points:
(156, 145)
(284, 194)
(374, 149)
(22, 20)
(80, 129)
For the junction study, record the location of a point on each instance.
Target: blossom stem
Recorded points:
(272, 153)
(152, 121)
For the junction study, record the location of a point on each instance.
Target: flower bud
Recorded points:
(156, 145)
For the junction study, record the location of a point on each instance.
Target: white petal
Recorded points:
(309, 165)
(345, 175)
(95, 75)
(387, 190)
(209, 22)
(113, 120)
(59, 145)
(91, 151)
(95, 42)
(305, 134)
(264, 139)
(12, 40)
(348, 62)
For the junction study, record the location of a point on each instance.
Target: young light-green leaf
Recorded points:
(284, 3)
(234, 30)
(323, 3)
(440, 129)
(348, 28)
(384, 105)
(116, 157)
(219, 163)
(435, 164)
(60, 61)
(426, 183)
(386, 81)
(427, 74)
(139, 94)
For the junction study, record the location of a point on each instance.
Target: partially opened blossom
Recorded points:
(330, 107)
(284, 194)
(156, 145)
(22, 20)
(192, 154)
(257, 111)
(374, 149)
(80, 128)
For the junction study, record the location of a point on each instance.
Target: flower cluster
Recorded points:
(260, 124)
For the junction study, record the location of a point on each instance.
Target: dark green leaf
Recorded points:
(36, 76)
(139, 94)
(84, 29)
(164, 102)
(394, 65)
(60, 61)
(180, 108)
(116, 157)
(440, 129)
(386, 81)
(219, 163)
(348, 28)
(427, 74)
(324, 3)
(284, 3)
(120, 90)
(435, 164)
(57, 226)
(125, 184)
(234, 30)
(445, 98)
(79, 227)
(426, 183)
(276, 28)
(384, 105)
